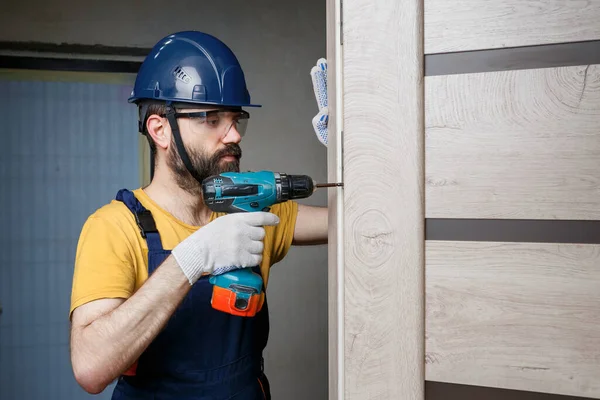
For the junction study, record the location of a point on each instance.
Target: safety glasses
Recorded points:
(217, 122)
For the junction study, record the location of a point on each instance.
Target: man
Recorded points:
(141, 300)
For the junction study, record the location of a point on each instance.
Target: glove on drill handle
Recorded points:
(229, 242)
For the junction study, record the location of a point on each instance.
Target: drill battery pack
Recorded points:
(238, 292)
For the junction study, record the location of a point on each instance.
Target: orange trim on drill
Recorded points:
(224, 300)
(132, 370)
(262, 388)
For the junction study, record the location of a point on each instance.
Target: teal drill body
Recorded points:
(240, 291)
(241, 191)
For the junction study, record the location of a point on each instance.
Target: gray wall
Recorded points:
(277, 42)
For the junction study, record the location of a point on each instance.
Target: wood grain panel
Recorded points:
(383, 199)
(520, 316)
(486, 24)
(145, 160)
(514, 144)
(335, 204)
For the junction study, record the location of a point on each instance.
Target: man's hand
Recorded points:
(311, 222)
(229, 242)
(318, 74)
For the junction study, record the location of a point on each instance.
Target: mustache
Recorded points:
(232, 149)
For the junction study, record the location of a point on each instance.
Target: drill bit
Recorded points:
(324, 185)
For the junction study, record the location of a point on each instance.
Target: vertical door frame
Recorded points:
(376, 148)
(335, 201)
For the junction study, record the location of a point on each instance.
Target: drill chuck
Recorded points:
(294, 186)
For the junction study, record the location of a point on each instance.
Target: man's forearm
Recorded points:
(311, 226)
(113, 339)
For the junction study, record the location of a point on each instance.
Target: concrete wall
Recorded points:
(277, 43)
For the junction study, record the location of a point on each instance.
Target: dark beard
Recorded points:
(203, 165)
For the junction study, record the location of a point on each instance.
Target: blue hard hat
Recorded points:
(192, 67)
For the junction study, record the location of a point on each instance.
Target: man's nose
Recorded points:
(233, 135)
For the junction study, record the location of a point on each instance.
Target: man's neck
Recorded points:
(183, 205)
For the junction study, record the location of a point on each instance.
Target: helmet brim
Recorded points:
(136, 100)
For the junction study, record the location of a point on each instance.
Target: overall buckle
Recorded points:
(145, 222)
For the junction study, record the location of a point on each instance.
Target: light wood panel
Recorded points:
(514, 144)
(463, 25)
(521, 316)
(145, 160)
(383, 148)
(335, 204)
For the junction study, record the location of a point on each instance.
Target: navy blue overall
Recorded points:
(202, 353)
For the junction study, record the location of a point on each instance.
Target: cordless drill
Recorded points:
(240, 291)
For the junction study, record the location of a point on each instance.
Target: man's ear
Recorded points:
(159, 130)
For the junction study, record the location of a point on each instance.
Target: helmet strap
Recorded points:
(142, 129)
(180, 148)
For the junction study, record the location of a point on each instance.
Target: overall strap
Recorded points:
(143, 218)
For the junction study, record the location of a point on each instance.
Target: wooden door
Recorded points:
(464, 245)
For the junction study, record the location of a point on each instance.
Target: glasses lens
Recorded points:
(218, 122)
(242, 125)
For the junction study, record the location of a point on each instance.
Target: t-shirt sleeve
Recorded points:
(104, 263)
(283, 233)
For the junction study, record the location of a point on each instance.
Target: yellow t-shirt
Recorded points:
(112, 257)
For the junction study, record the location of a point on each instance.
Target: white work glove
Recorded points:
(228, 242)
(318, 74)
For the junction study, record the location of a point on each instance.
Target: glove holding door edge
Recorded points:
(320, 121)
